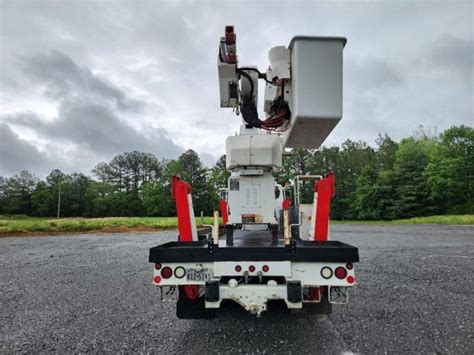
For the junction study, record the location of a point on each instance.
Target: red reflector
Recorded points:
(157, 266)
(157, 279)
(166, 272)
(314, 293)
(238, 268)
(265, 268)
(349, 266)
(340, 272)
(350, 279)
(191, 291)
(251, 268)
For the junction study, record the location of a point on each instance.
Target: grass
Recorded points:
(446, 219)
(24, 225)
(35, 225)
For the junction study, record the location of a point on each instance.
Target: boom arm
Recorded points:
(303, 88)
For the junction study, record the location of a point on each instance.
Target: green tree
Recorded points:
(385, 153)
(365, 203)
(16, 193)
(190, 169)
(413, 198)
(450, 172)
(43, 200)
(157, 199)
(219, 174)
(355, 156)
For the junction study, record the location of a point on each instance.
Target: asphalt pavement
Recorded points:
(93, 293)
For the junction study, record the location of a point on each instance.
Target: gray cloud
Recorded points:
(143, 74)
(373, 74)
(18, 154)
(64, 79)
(452, 53)
(97, 130)
(91, 113)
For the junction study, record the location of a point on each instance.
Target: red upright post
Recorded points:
(326, 191)
(181, 192)
(224, 210)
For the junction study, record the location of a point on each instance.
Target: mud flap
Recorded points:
(323, 307)
(295, 294)
(192, 309)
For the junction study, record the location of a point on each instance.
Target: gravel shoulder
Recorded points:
(93, 293)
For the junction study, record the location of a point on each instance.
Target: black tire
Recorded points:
(192, 309)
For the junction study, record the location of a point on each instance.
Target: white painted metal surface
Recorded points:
(227, 268)
(254, 150)
(309, 273)
(307, 221)
(193, 221)
(279, 58)
(252, 195)
(254, 297)
(316, 90)
(227, 75)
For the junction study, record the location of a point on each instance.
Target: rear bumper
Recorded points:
(298, 251)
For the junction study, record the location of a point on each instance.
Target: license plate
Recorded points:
(194, 275)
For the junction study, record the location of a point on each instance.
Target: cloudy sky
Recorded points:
(83, 81)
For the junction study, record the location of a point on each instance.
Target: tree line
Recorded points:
(421, 175)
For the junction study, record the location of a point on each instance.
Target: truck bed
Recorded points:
(254, 246)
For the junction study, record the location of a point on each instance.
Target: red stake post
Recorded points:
(224, 210)
(181, 193)
(326, 191)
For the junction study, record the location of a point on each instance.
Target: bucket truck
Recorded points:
(272, 247)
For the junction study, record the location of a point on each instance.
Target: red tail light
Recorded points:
(157, 266)
(251, 268)
(157, 279)
(265, 268)
(350, 279)
(340, 272)
(349, 266)
(238, 268)
(166, 272)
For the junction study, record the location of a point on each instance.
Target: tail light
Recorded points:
(340, 272)
(349, 266)
(251, 268)
(350, 279)
(265, 268)
(179, 272)
(238, 268)
(166, 272)
(157, 279)
(157, 266)
(326, 272)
